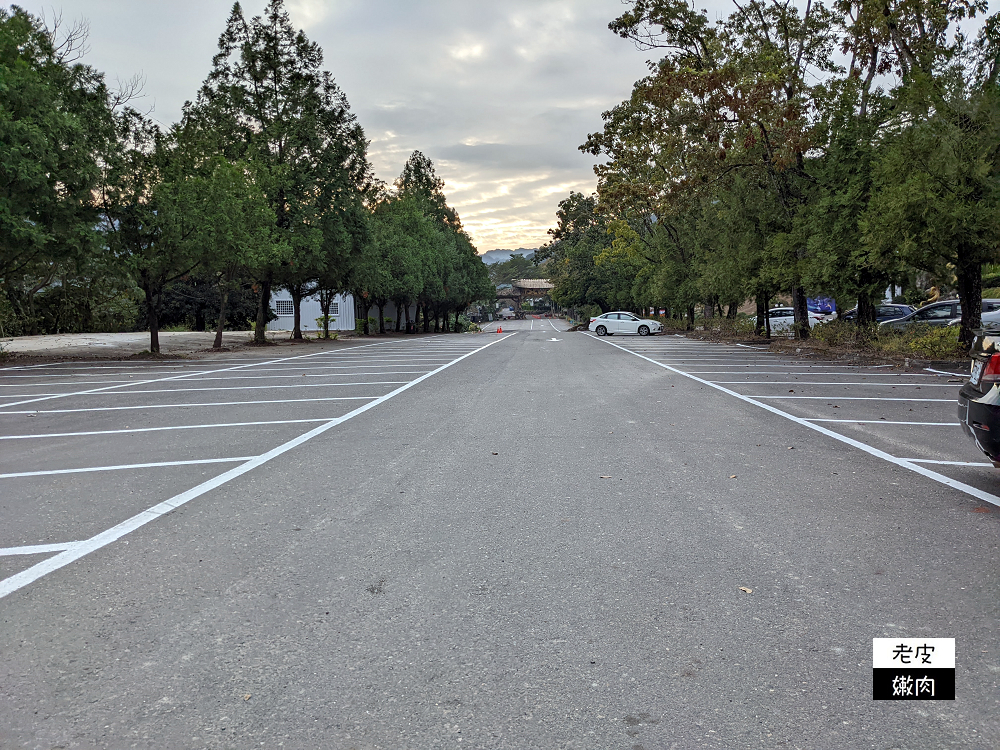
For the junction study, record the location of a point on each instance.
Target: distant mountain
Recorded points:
(500, 256)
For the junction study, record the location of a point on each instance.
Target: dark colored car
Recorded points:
(882, 312)
(979, 399)
(937, 314)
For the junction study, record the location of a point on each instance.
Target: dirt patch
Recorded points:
(821, 350)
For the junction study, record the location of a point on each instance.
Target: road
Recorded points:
(528, 539)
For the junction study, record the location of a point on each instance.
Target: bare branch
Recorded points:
(70, 44)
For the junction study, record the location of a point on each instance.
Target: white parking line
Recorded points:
(128, 430)
(254, 387)
(883, 421)
(36, 549)
(232, 388)
(64, 558)
(903, 463)
(963, 375)
(125, 467)
(860, 398)
(810, 382)
(946, 463)
(185, 406)
(810, 374)
(172, 377)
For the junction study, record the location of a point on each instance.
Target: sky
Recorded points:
(498, 93)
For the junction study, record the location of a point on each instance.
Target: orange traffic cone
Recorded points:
(499, 329)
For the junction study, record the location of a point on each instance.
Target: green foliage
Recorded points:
(518, 267)
(749, 164)
(109, 222)
(926, 342)
(55, 121)
(836, 332)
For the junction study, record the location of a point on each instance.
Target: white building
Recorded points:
(341, 312)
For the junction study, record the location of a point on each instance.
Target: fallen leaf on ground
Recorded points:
(732, 476)
(980, 510)
(745, 590)
(605, 477)
(791, 447)
(496, 454)
(246, 697)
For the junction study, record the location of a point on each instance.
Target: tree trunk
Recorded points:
(263, 308)
(867, 313)
(761, 323)
(325, 301)
(381, 319)
(801, 307)
(153, 320)
(296, 290)
(690, 318)
(217, 344)
(199, 318)
(969, 276)
(731, 312)
(399, 316)
(409, 328)
(427, 320)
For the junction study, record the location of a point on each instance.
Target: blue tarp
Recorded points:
(823, 305)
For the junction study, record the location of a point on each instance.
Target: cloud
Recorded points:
(499, 95)
(307, 13)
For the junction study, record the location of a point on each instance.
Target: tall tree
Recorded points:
(55, 121)
(271, 104)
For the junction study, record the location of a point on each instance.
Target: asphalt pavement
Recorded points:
(527, 539)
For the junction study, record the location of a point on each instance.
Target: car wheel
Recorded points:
(643, 330)
(602, 331)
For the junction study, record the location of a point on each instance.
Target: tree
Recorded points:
(579, 238)
(272, 105)
(146, 218)
(55, 121)
(935, 204)
(730, 97)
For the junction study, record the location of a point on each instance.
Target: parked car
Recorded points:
(882, 312)
(990, 318)
(979, 398)
(938, 314)
(783, 319)
(623, 322)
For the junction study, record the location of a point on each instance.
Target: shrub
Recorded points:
(932, 342)
(359, 326)
(836, 332)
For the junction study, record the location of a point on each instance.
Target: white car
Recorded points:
(623, 322)
(783, 319)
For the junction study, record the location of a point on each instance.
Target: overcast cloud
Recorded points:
(498, 94)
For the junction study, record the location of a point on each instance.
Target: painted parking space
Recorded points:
(907, 418)
(93, 451)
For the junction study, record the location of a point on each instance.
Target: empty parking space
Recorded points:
(904, 417)
(92, 451)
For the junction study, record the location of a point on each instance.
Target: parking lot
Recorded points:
(905, 417)
(92, 451)
(529, 539)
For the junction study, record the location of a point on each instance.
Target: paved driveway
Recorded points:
(532, 539)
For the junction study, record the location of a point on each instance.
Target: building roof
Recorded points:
(539, 284)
